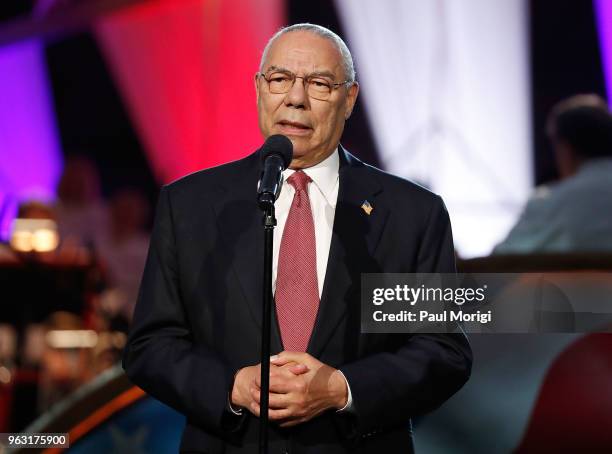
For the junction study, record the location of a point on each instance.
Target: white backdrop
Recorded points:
(447, 93)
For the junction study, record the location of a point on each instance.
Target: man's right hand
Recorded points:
(246, 378)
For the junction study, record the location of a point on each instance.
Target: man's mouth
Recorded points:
(293, 127)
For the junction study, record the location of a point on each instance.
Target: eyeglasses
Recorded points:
(316, 86)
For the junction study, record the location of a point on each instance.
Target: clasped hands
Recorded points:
(301, 387)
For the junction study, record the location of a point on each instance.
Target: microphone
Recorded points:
(276, 155)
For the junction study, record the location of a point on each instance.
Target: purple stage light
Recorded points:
(30, 153)
(603, 12)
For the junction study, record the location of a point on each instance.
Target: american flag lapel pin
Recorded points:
(367, 207)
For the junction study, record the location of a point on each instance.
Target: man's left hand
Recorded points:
(295, 399)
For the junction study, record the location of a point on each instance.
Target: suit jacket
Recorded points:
(198, 317)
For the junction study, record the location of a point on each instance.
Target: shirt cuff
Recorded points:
(234, 410)
(349, 400)
(237, 411)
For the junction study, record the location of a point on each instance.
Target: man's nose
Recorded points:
(297, 95)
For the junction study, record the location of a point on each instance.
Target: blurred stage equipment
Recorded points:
(34, 235)
(110, 414)
(84, 338)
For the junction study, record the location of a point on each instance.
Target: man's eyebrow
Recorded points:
(329, 74)
(277, 68)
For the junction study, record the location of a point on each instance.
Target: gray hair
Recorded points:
(347, 59)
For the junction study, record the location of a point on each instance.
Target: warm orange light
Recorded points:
(38, 235)
(72, 338)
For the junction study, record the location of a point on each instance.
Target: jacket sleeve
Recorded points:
(424, 370)
(160, 355)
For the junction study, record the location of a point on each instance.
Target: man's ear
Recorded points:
(351, 98)
(256, 80)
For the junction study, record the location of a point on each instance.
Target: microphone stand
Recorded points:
(269, 222)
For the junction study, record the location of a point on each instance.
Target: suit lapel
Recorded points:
(354, 239)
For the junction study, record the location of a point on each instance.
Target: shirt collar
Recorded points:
(324, 175)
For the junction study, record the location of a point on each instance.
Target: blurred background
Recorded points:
(104, 101)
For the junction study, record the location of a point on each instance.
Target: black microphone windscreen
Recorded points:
(279, 145)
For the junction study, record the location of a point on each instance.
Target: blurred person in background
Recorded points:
(82, 215)
(123, 249)
(575, 213)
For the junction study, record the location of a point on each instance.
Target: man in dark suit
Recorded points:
(195, 340)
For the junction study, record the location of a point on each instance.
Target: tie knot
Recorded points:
(299, 180)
